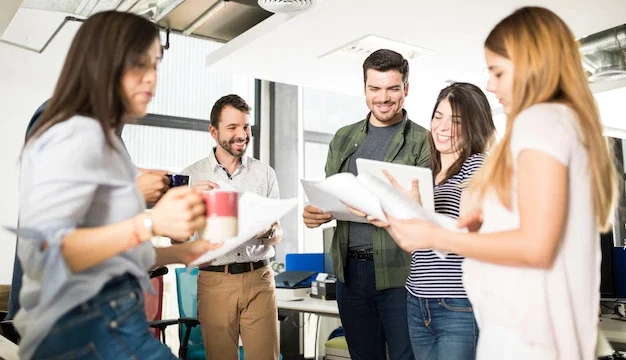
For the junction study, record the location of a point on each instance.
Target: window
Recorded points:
(158, 144)
(314, 163)
(324, 113)
(169, 149)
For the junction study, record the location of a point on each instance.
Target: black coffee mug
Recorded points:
(178, 180)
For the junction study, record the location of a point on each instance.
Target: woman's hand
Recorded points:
(410, 235)
(414, 193)
(184, 253)
(179, 213)
(192, 250)
(473, 220)
(413, 234)
(372, 220)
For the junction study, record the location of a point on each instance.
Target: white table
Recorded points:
(319, 307)
(312, 306)
(8, 350)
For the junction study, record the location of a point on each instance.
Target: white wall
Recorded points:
(27, 79)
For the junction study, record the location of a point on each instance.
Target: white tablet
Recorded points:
(405, 174)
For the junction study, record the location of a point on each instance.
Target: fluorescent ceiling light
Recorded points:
(367, 44)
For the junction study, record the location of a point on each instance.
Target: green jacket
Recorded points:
(409, 146)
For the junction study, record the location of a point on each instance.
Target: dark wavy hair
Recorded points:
(106, 45)
(469, 104)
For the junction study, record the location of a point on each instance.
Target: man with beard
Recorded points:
(371, 268)
(236, 292)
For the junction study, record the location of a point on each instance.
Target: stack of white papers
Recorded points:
(373, 196)
(256, 214)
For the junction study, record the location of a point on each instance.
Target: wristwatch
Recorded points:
(270, 233)
(147, 223)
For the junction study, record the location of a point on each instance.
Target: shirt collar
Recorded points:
(216, 165)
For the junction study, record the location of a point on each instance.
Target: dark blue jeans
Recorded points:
(111, 326)
(442, 328)
(372, 319)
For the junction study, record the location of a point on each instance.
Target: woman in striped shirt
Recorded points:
(441, 321)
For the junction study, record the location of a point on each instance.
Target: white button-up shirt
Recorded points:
(251, 176)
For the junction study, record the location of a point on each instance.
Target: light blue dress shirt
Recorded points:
(70, 178)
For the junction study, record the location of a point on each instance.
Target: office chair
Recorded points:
(188, 331)
(153, 305)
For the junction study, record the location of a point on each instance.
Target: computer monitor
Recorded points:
(327, 235)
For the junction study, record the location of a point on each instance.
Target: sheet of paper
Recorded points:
(404, 174)
(256, 213)
(224, 186)
(329, 203)
(345, 188)
(398, 205)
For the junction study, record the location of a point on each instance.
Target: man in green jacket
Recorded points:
(370, 267)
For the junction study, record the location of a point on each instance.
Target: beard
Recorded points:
(228, 146)
(384, 117)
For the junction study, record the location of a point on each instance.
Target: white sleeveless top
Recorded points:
(553, 312)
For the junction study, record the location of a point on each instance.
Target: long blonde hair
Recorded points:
(548, 68)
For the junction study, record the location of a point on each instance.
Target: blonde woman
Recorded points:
(532, 271)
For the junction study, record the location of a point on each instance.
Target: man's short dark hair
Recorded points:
(229, 100)
(384, 60)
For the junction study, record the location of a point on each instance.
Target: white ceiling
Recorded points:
(288, 51)
(287, 48)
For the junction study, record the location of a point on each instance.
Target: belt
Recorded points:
(361, 254)
(237, 268)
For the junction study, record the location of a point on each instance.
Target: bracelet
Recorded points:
(135, 239)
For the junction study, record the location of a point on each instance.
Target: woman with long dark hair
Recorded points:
(84, 235)
(441, 320)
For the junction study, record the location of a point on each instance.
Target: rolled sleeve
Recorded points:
(45, 266)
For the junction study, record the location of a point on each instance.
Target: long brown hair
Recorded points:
(548, 68)
(106, 45)
(469, 104)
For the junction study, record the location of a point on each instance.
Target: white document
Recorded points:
(329, 203)
(374, 196)
(404, 174)
(224, 186)
(256, 213)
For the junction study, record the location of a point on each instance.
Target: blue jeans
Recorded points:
(112, 325)
(372, 318)
(442, 328)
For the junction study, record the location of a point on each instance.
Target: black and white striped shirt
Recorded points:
(432, 277)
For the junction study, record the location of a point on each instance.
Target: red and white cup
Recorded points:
(222, 211)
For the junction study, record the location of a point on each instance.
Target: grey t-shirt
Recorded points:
(374, 147)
